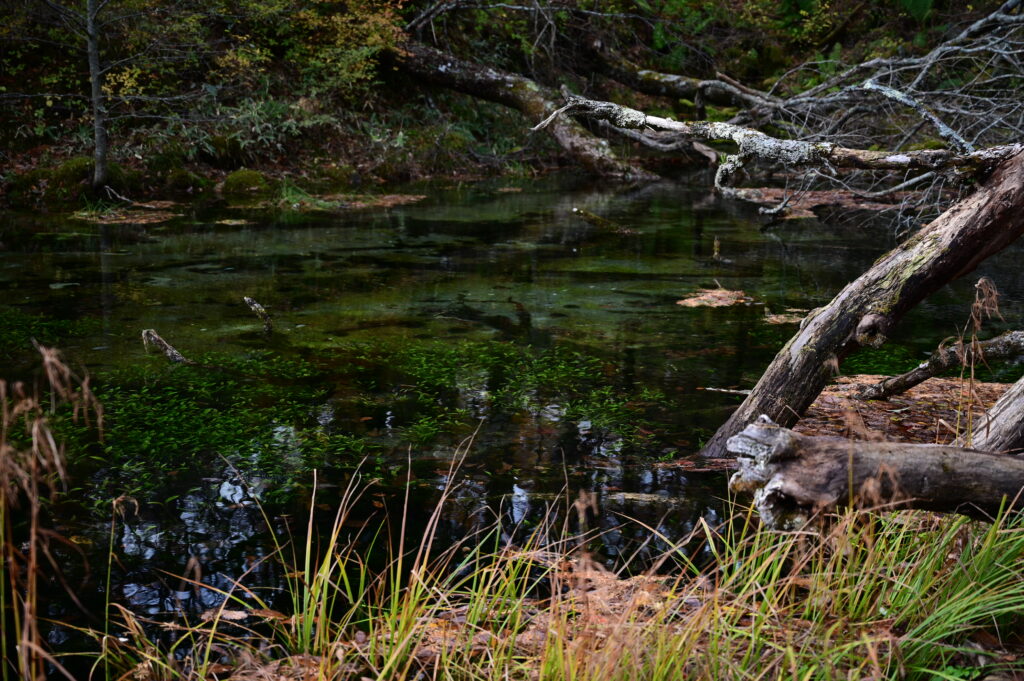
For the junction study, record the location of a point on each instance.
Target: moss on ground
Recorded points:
(245, 182)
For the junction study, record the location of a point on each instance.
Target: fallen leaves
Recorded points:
(715, 297)
(373, 200)
(926, 414)
(127, 217)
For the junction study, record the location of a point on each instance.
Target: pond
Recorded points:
(494, 323)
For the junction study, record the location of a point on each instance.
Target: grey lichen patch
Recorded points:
(777, 510)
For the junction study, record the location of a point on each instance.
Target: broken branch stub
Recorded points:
(794, 477)
(261, 312)
(151, 337)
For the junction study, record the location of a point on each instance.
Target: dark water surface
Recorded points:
(388, 322)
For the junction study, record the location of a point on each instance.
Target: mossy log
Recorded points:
(862, 313)
(794, 476)
(522, 94)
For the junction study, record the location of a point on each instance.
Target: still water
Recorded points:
(489, 309)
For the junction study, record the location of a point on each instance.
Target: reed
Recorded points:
(32, 472)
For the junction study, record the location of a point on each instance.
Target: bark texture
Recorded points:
(794, 476)
(522, 94)
(862, 313)
(1005, 346)
(754, 144)
(1002, 427)
(719, 91)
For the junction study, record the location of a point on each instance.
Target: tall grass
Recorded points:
(895, 595)
(32, 471)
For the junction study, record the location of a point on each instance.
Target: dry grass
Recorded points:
(32, 471)
(862, 596)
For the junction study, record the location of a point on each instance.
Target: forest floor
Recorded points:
(932, 412)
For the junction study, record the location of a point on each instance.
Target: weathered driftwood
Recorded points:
(523, 94)
(754, 144)
(1005, 346)
(261, 312)
(151, 337)
(794, 476)
(1001, 429)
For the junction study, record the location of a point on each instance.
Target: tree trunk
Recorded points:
(522, 94)
(1002, 427)
(863, 312)
(1005, 346)
(97, 98)
(793, 476)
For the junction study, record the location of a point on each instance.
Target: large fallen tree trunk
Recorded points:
(522, 94)
(794, 476)
(950, 246)
(1002, 427)
(863, 313)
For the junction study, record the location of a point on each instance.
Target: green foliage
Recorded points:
(918, 9)
(181, 180)
(67, 183)
(509, 377)
(888, 360)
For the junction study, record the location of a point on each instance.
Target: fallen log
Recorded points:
(753, 144)
(522, 94)
(1005, 346)
(1002, 427)
(794, 476)
(863, 313)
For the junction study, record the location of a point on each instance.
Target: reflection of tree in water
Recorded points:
(216, 537)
